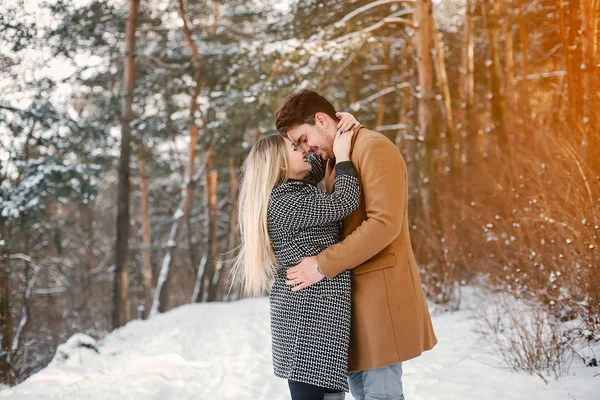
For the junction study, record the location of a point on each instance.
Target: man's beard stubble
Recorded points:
(328, 153)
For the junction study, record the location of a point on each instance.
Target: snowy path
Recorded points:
(222, 350)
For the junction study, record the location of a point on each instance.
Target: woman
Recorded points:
(284, 217)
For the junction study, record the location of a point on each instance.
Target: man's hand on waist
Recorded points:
(304, 274)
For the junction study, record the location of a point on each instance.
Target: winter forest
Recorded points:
(124, 125)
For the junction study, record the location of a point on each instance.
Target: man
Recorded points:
(390, 317)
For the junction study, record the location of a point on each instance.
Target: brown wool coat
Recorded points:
(390, 318)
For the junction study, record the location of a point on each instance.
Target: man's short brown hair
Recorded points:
(300, 108)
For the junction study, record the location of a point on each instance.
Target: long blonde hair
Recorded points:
(262, 172)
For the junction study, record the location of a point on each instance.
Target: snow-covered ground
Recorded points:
(222, 351)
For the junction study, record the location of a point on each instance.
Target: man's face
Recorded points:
(313, 139)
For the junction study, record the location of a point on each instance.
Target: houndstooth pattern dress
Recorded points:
(311, 328)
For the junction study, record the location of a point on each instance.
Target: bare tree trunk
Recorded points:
(589, 71)
(30, 280)
(192, 245)
(567, 57)
(509, 69)
(233, 221)
(7, 376)
(212, 226)
(162, 293)
(352, 91)
(585, 68)
(187, 192)
(470, 121)
(160, 302)
(576, 54)
(422, 43)
(594, 71)
(383, 79)
(90, 258)
(404, 116)
(232, 239)
(445, 291)
(147, 275)
(197, 295)
(595, 16)
(121, 305)
(452, 143)
(524, 92)
(497, 110)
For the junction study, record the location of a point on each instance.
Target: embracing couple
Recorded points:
(347, 307)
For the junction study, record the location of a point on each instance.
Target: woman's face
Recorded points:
(298, 166)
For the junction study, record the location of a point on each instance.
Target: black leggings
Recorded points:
(306, 391)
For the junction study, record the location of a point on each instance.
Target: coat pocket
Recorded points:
(378, 262)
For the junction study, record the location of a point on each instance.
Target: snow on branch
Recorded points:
(393, 127)
(390, 19)
(356, 105)
(541, 75)
(367, 7)
(162, 63)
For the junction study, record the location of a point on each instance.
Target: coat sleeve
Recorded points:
(303, 209)
(384, 185)
(317, 173)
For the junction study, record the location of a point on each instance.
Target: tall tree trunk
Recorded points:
(352, 89)
(121, 305)
(593, 35)
(497, 108)
(405, 110)
(585, 66)
(233, 221)
(470, 128)
(524, 92)
(7, 376)
(509, 68)
(452, 142)
(589, 71)
(191, 235)
(212, 226)
(352, 92)
(422, 43)
(90, 258)
(383, 81)
(187, 192)
(32, 271)
(565, 50)
(594, 71)
(575, 24)
(234, 230)
(147, 274)
(160, 302)
(232, 239)
(167, 271)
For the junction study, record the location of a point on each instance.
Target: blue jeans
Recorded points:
(383, 383)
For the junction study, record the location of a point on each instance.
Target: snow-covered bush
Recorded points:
(73, 350)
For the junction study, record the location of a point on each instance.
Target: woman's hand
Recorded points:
(342, 145)
(347, 121)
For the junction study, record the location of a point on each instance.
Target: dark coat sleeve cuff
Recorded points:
(345, 168)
